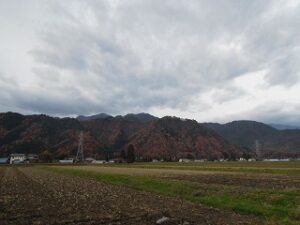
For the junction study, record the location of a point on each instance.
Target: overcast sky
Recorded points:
(208, 60)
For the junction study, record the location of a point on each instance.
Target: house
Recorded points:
(32, 158)
(251, 160)
(4, 160)
(200, 160)
(66, 161)
(89, 160)
(17, 158)
(276, 160)
(184, 160)
(99, 161)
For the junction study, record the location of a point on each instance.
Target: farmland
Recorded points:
(142, 193)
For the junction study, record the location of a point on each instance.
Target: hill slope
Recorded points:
(168, 137)
(34, 133)
(272, 141)
(139, 117)
(93, 117)
(173, 138)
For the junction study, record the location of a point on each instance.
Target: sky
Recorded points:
(207, 60)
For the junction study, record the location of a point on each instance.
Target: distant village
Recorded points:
(20, 158)
(127, 156)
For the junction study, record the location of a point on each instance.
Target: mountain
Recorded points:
(284, 127)
(168, 137)
(112, 133)
(152, 137)
(140, 117)
(272, 142)
(34, 133)
(243, 132)
(92, 117)
(173, 138)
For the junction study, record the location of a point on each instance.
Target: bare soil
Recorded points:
(33, 196)
(209, 177)
(249, 181)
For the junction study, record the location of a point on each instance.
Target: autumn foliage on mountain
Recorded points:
(169, 138)
(174, 138)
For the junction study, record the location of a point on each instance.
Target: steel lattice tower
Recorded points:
(258, 149)
(80, 156)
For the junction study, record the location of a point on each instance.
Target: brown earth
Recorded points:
(33, 196)
(208, 177)
(247, 181)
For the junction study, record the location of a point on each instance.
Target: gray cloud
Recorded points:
(129, 56)
(274, 112)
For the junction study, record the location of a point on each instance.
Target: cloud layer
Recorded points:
(207, 59)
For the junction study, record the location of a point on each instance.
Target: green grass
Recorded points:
(260, 167)
(274, 205)
(284, 168)
(256, 164)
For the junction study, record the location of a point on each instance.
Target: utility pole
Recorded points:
(79, 155)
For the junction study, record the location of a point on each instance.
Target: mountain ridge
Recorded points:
(283, 126)
(107, 137)
(151, 135)
(246, 133)
(142, 117)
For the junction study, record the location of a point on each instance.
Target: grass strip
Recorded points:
(255, 164)
(280, 206)
(288, 168)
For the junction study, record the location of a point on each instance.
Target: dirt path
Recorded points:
(208, 177)
(33, 196)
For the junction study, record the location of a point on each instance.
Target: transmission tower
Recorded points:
(79, 155)
(258, 149)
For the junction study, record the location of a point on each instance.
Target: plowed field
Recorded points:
(30, 195)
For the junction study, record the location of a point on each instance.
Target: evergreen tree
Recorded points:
(45, 156)
(123, 154)
(130, 154)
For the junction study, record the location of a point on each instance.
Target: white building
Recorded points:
(66, 161)
(184, 160)
(251, 160)
(89, 160)
(17, 158)
(200, 160)
(99, 161)
(276, 160)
